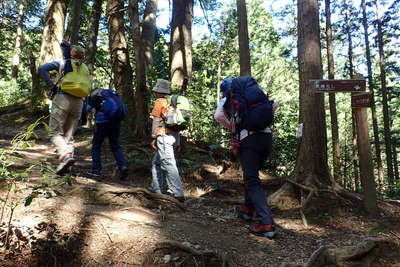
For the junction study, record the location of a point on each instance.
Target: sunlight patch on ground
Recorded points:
(84, 143)
(133, 214)
(111, 235)
(197, 192)
(30, 221)
(298, 227)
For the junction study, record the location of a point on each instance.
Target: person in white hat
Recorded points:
(164, 171)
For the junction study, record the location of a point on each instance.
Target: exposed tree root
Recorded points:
(220, 200)
(14, 107)
(362, 254)
(223, 258)
(148, 194)
(311, 192)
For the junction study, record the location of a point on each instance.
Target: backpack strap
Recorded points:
(236, 134)
(174, 100)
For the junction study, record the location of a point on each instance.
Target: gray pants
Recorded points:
(164, 170)
(64, 118)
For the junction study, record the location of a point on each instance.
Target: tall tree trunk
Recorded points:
(143, 40)
(53, 31)
(181, 41)
(244, 53)
(353, 116)
(396, 165)
(121, 67)
(386, 115)
(360, 126)
(34, 73)
(18, 41)
(149, 31)
(378, 153)
(92, 35)
(52, 36)
(346, 153)
(332, 98)
(75, 22)
(311, 165)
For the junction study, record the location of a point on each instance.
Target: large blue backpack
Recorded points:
(108, 104)
(248, 104)
(113, 108)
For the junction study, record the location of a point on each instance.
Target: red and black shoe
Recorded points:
(265, 230)
(245, 213)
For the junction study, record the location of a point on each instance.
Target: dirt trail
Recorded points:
(112, 223)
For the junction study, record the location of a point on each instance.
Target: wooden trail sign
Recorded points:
(333, 86)
(362, 100)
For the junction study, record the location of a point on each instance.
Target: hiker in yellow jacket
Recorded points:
(67, 101)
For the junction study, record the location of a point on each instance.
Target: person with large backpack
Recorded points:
(167, 122)
(110, 111)
(248, 113)
(67, 95)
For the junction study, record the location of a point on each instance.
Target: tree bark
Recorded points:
(377, 142)
(396, 165)
(143, 41)
(332, 98)
(360, 125)
(75, 21)
(53, 31)
(244, 53)
(149, 31)
(312, 157)
(121, 67)
(18, 41)
(181, 41)
(353, 115)
(92, 35)
(34, 73)
(52, 36)
(311, 165)
(386, 115)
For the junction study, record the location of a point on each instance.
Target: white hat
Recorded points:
(162, 86)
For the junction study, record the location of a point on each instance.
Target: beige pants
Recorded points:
(64, 118)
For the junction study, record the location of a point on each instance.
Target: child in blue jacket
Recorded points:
(110, 111)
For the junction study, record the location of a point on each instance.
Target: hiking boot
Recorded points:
(66, 162)
(245, 213)
(123, 173)
(94, 173)
(265, 230)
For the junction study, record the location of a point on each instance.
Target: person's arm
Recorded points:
(220, 116)
(44, 72)
(156, 115)
(154, 126)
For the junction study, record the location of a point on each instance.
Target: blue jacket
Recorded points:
(103, 107)
(62, 66)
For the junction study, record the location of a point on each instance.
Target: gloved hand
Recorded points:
(52, 92)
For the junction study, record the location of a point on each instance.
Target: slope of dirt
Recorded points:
(106, 222)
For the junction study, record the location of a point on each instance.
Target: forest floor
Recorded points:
(107, 222)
